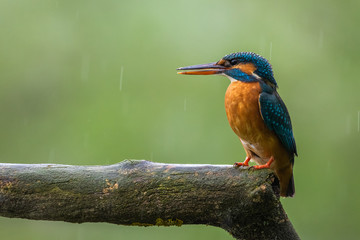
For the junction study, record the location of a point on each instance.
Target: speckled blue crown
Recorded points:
(264, 69)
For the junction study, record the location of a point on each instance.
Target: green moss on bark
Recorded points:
(142, 193)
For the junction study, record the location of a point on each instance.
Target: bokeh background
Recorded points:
(94, 82)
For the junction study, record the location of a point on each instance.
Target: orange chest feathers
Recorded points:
(243, 110)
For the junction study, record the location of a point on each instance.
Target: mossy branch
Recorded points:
(142, 193)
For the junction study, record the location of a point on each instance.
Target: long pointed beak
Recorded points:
(203, 69)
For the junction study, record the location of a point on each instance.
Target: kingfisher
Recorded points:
(256, 113)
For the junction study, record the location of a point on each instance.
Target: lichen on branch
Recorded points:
(242, 201)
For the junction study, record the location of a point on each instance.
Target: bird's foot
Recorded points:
(245, 163)
(266, 165)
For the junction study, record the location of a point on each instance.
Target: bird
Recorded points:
(256, 113)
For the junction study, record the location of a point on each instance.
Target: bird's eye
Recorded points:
(234, 62)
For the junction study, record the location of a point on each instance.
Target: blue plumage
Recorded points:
(264, 68)
(238, 74)
(277, 118)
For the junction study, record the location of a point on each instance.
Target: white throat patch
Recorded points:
(234, 80)
(230, 78)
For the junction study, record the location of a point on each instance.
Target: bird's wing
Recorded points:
(277, 118)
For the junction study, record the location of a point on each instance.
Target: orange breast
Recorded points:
(243, 112)
(242, 109)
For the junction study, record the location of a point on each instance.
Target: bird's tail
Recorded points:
(290, 192)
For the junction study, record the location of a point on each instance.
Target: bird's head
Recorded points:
(241, 66)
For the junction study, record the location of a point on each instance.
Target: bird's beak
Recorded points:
(203, 69)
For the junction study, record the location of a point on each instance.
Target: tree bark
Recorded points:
(242, 201)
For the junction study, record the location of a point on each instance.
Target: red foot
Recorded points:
(245, 163)
(267, 165)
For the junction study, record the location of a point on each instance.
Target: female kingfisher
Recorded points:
(256, 113)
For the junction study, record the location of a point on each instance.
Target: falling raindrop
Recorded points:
(121, 77)
(270, 50)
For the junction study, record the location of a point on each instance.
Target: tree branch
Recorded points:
(142, 193)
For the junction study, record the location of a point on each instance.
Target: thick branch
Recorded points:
(241, 201)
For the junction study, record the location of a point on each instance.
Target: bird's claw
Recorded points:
(266, 165)
(245, 163)
(240, 164)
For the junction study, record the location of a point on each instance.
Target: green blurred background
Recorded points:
(94, 82)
